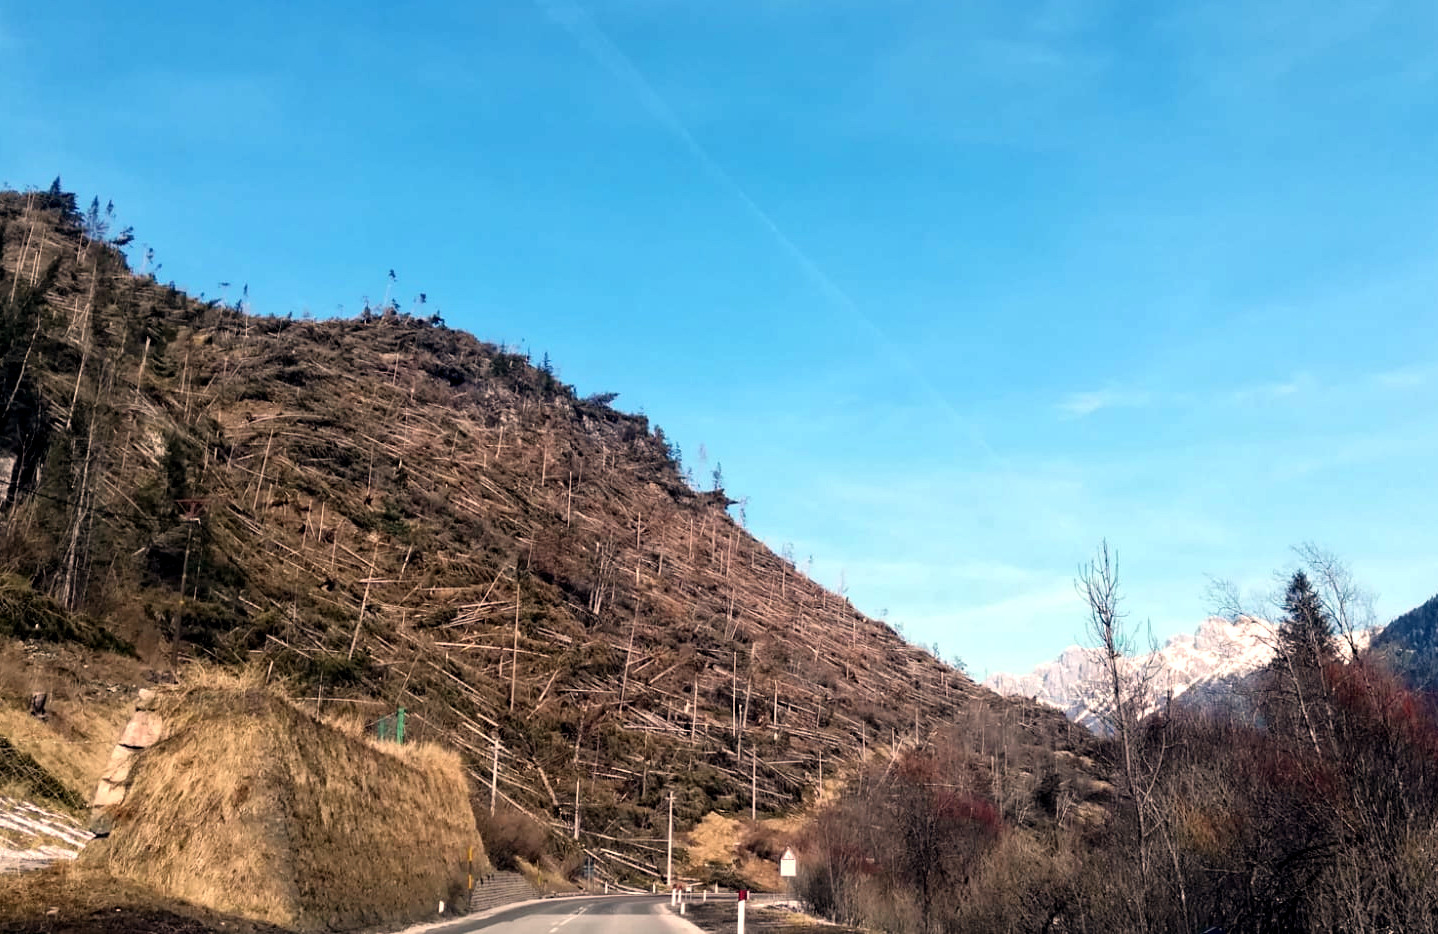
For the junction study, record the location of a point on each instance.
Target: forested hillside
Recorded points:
(1409, 645)
(383, 512)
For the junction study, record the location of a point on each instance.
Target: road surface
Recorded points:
(611, 914)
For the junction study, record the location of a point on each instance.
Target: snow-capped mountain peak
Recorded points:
(1207, 663)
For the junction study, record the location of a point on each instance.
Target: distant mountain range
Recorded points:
(1206, 668)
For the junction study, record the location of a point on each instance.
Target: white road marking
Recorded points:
(568, 919)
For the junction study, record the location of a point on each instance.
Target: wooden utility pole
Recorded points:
(669, 857)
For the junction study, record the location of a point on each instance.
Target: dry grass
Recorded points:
(252, 807)
(748, 846)
(90, 703)
(548, 877)
(90, 902)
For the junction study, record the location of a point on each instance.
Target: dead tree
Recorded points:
(1128, 690)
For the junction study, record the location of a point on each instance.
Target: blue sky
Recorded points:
(952, 290)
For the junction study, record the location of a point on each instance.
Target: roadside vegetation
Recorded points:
(1315, 811)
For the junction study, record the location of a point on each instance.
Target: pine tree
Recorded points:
(1297, 674)
(1306, 633)
(57, 198)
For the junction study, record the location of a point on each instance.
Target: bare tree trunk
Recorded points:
(364, 602)
(514, 657)
(628, 657)
(1098, 584)
(68, 590)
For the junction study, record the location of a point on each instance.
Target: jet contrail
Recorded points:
(577, 22)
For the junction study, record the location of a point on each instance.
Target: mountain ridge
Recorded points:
(1204, 669)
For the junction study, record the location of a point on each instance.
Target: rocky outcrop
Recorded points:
(145, 729)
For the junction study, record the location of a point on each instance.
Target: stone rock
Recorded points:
(108, 794)
(144, 730)
(147, 698)
(117, 770)
(101, 823)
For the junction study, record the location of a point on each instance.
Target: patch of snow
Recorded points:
(37, 837)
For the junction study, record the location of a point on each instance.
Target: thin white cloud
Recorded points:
(1407, 377)
(1268, 392)
(1084, 404)
(1023, 610)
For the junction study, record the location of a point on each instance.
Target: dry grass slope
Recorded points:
(253, 807)
(91, 698)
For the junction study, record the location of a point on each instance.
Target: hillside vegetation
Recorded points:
(383, 512)
(1409, 646)
(1312, 807)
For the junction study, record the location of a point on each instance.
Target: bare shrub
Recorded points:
(510, 836)
(763, 842)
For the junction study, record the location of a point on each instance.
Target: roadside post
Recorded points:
(788, 869)
(743, 899)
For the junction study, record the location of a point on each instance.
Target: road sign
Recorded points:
(788, 864)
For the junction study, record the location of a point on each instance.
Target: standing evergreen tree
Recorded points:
(1297, 673)
(57, 198)
(1306, 634)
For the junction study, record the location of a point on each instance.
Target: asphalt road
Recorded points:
(613, 914)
